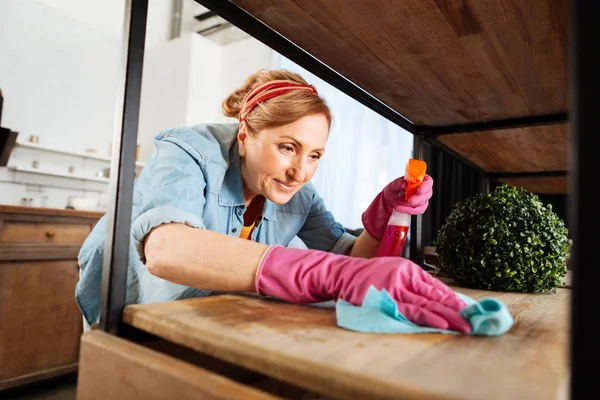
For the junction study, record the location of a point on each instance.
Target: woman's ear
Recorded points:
(242, 137)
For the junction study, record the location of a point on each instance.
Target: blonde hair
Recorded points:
(277, 111)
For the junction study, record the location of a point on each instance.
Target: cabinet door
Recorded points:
(40, 324)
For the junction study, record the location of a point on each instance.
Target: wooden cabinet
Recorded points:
(41, 232)
(40, 324)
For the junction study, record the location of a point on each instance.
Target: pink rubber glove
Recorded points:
(308, 276)
(376, 216)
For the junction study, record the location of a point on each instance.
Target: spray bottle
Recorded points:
(394, 238)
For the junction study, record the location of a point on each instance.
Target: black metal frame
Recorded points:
(524, 122)
(8, 139)
(583, 200)
(584, 215)
(118, 224)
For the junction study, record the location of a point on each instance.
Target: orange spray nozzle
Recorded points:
(414, 175)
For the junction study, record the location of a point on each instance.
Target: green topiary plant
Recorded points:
(506, 240)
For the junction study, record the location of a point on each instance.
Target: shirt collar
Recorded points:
(232, 190)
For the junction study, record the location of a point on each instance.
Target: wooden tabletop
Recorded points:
(303, 345)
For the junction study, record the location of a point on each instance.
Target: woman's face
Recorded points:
(277, 162)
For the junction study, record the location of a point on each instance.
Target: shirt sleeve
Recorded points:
(322, 232)
(173, 185)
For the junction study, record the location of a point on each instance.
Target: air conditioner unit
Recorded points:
(217, 29)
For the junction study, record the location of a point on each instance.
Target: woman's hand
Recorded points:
(302, 276)
(376, 216)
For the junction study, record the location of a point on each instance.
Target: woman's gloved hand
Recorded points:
(376, 216)
(308, 276)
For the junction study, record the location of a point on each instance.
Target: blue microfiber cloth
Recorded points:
(379, 313)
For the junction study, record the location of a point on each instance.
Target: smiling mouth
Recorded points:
(287, 186)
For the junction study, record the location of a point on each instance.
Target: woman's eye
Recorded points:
(315, 157)
(287, 148)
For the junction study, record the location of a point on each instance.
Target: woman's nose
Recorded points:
(298, 170)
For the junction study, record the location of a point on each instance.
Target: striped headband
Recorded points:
(268, 90)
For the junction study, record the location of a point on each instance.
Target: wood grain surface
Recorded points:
(40, 323)
(437, 62)
(51, 212)
(114, 368)
(303, 345)
(545, 185)
(45, 232)
(533, 149)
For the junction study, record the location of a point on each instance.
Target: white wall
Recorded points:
(219, 70)
(165, 90)
(106, 17)
(249, 53)
(188, 78)
(205, 84)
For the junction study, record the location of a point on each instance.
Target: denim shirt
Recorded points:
(194, 177)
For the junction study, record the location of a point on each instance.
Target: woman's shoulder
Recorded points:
(211, 142)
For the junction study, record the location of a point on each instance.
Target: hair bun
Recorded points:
(278, 111)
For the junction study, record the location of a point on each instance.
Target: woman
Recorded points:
(216, 205)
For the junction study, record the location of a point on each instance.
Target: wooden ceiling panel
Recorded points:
(533, 149)
(546, 185)
(437, 62)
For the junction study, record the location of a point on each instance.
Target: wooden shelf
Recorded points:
(447, 64)
(540, 185)
(437, 62)
(289, 341)
(533, 149)
(522, 150)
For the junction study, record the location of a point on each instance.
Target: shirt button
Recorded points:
(234, 230)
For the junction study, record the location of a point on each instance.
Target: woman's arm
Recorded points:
(365, 246)
(202, 259)
(169, 232)
(320, 230)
